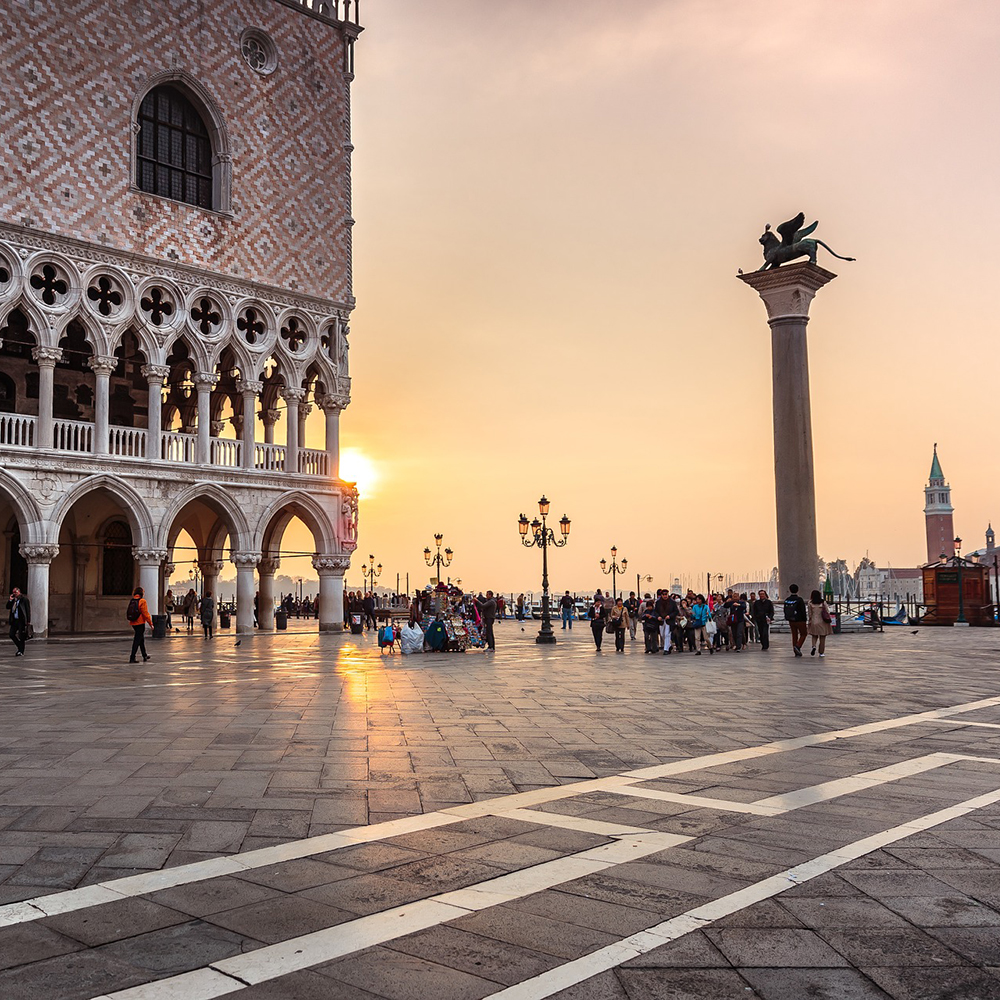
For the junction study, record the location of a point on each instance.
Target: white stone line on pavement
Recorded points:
(134, 885)
(325, 945)
(604, 959)
(698, 801)
(962, 722)
(578, 823)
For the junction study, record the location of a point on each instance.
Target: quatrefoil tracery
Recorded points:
(206, 316)
(251, 324)
(157, 305)
(293, 334)
(103, 292)
(49, 284)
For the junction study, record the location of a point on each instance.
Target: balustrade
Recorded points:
(17, 430)
(269, 457)
(73, 435)
(179, 447)
(313, 462)
(225, 452)
(127, 442)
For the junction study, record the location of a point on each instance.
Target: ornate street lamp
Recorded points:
(614, 569)
(438, 559)
(961, 596)
(371, 573)
(543, 536)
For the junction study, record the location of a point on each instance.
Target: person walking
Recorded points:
(737, 622)
(18, 618)
(650, 628)
(368, 604)
(519, 608)
(138, 617)
(632, 607)
(189, 607)
(820, 622)
(487, 607)
(566, 609)
(797, 618)
(598, 620)
(668, 612)
(619, 618)
(762, 612)
(207, 611)
(700, 615)
(169, 607)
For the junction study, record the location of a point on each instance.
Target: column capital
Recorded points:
(304, 410)
(46, 357)
(268, 565)
(245, 560)
(788, 291)
(148, 557)
(38, 555)
(292, 395)
(248, 387)
(155, 373)
(101, 364)
(270, 416)
(211, 567)
(331, 564)
(333, 401)
(205, 379)
(216, 427)
(169, 569)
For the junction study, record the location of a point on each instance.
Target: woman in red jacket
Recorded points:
(138, 618)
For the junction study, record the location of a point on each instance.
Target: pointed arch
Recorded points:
(222, 502)
(296, 503)
(26, 510)
(135, 508)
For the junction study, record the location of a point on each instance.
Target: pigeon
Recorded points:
(238, 642)
(915, 631)
(739, 270)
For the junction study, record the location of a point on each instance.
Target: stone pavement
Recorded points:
(301, 817)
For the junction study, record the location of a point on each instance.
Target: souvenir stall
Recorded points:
(460, 631)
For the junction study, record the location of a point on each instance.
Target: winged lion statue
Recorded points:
(793, 243)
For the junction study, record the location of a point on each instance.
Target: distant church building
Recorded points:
(175, 294)
(938, 514)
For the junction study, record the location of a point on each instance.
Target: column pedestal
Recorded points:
(787, 293)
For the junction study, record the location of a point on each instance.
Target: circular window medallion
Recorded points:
(258, 51)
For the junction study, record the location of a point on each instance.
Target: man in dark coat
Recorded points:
(488, 609)
(762, 612)
(19, 618)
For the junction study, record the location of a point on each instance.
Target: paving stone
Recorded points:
(871, 946)
(692, 951)
(683, 984)
(32, 942)
(923, 983)
(943, 911)
(980, 945)
(79, 976)
(126, 918)
(845, 911)
(785, 947)
(170, 951)
(201, 898)
(305, 986)
(816, 984)
(274, 920)
(602, 987)
(370, 893)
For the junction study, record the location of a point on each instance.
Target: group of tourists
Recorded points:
(728, 622)
(189, 607)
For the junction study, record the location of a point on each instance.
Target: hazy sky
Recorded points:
(552, 199)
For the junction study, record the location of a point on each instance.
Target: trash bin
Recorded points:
(281, 620)
(225, 620)
(159, 627)
(356, 626)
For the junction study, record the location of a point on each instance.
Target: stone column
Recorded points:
(205, 383)
(269, 419)
(155, 376)
(45, 358)
(787, 292)
(332, 404)
(245, 563)
(266, 569)
(304, 410)
(81, 556)
(331, 571)
(39, 558)
(149, 561)
(102, 367)
(292, 398)
(249, 391)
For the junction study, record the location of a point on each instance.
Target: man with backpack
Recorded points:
(632, 607)
(138, 617)
(566, 607)
(797, 618)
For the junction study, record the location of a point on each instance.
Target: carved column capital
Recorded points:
(270, 416)
(46, 357)
(331, 564)
(148, 557)
(248, 387)
(204, 380)
(268, 565)
(245, 560)
(169, 569)
(101, 364)
(38, 555)
(333, 401)
(216, 427)
(155, 373)
(304, 410)
(292, 395)
(211, 567)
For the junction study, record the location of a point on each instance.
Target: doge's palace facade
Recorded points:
(175, 295)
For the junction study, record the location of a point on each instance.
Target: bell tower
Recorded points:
(939, 513)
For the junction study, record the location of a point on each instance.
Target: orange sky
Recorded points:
(552, 199)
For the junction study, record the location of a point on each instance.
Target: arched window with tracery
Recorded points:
(174, 153)
(118, 564)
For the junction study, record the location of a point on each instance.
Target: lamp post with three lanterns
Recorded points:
(543, 536)
(614, 569)
(438, 560)
(370, 574)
